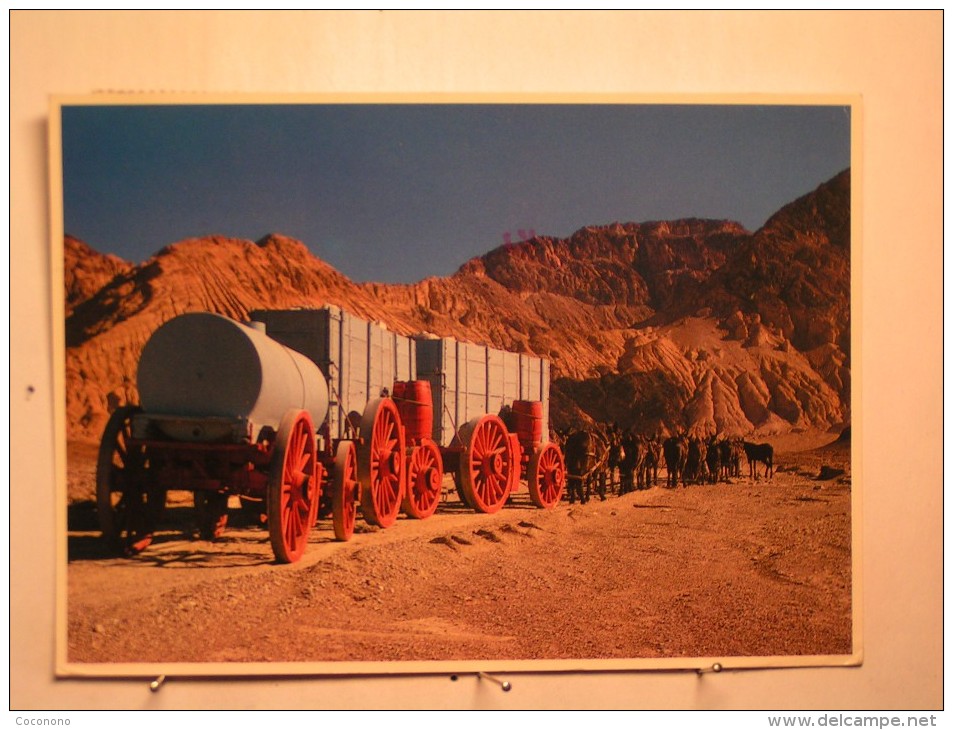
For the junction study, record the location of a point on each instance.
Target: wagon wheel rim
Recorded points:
(487, 463)
(294, 487)
(346, 493)
(547, 476)
(424, 480)
(380, 462)
(458, 486)
(127, 510)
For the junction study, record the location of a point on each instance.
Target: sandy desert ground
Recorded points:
(748, 568)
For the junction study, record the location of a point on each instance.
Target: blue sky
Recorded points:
(399, 192)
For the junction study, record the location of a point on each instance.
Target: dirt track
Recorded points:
(748, 568)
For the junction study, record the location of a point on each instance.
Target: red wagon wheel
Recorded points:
(546, 476)
(424, 481)
(458, 485)
(294, 487)
(127, 510)
(380, 462)
(487, 462)
(346, 491)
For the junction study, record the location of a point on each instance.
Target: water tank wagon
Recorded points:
(203, 365)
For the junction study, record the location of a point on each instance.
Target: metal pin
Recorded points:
(504, 684)
(716, 667)
(156, 684)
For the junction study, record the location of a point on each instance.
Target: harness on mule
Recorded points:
(599, 464)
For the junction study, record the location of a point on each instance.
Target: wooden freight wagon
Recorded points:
(491, 418)
(361, 361)
(294, 410)
(227, 410)
(469, 380)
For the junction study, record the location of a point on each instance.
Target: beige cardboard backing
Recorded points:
(66, 669)
(803, 54)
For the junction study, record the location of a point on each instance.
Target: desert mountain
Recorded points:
(87, 271)
(694, 324)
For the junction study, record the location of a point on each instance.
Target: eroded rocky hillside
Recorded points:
(694, 324)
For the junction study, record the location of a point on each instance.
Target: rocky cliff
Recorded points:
(694, 324)
(86, 272)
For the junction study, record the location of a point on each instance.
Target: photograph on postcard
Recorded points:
(392, 384)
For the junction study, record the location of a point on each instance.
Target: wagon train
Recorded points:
(305, 414)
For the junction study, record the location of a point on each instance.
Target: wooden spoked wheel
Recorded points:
(380, 462)
(127, 509)
(458, 486)
(346, 491)
(294, 487)
(546, 476)
(424, 480)
(487, 463)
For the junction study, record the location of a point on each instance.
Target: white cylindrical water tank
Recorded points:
(205, 365)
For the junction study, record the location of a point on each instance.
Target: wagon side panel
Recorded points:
(354, 365)
(331, 337)
(379, 360)
(495, 380)
(459, 384)
(511, 377)
(433, 365)
(301, 330)
(544, 395)
(472, 396)
(534, 385)
(446, 381)
(405, 366)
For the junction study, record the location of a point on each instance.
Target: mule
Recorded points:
(763, 453)
(675, 450)
(582, 456)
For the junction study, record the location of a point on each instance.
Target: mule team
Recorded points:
(595, 456)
